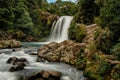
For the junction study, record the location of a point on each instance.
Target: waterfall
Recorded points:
(60, 28)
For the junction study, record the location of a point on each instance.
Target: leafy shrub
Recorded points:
(104, 67)
(81, 59)
(116, 51)
(104, 40)
(77, 32)
(110, 17)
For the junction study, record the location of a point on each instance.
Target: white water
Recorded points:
(58, 34)
(59, 31)
(69, 73)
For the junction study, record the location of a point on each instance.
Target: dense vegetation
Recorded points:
(31, 20)
(102, 12)
(102, 61)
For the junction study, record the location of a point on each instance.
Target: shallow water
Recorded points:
(68, 72)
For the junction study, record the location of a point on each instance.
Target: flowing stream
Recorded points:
(68, 72)
(58, 33)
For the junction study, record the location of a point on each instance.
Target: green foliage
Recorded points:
(103, 68)
(81, 59)
(104, 40)
(110, 17)
(6, 14)
(88, 9)
(23, 21)
(24, 16)
(109, 20)
(62, 8)
(77, 32)
(116, 51)
(116, 72)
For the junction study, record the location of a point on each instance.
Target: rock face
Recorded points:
(18, 63)
(97, 65)
(45, 75)
(66, 51)
(9, 44)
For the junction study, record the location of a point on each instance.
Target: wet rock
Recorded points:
(17, 66)
(12, 60)
(45, 75)
(55, 73)
(32, 53)
(40, 59)
(23, 60)
(18, 63)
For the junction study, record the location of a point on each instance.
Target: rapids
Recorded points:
(68, 72)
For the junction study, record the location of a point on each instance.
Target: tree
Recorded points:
(87, 10)
(6, 14)
(110, 17)
(22, 21)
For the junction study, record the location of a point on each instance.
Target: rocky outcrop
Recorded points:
(18, 63)
(9, 43)
(45, 75)
(96, 64)
(66, 51)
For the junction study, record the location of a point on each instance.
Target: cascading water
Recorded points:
(68, 72)
(60, 28)
(58, 34)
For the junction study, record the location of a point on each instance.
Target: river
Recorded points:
(68, 72)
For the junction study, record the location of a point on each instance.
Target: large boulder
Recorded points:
(12, 60)
(18, 63)
(66, 51)
(45, 75)
(17, 66)
(10, 44)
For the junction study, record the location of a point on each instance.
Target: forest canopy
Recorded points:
(19, 16)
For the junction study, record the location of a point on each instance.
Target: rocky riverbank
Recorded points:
(95, 64)
(9, 44)
(66, 51)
